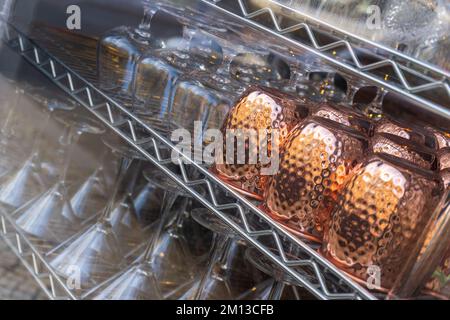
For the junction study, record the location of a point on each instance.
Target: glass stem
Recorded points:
(330, 79)
(64, 146)
(351, 92)
(218, 251)
(104, 169)
(135, 174)
(296, 76)
(125, 164)
(228, 58)
(72, 138)
(7, 129)
(168, 201)
(64, 139)
(35, 149)
(180, 217)
(277, 290)
(377, 104)
(144, 27)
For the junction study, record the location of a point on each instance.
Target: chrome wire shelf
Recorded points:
(52, 285)
(307, 269)
(415, 80)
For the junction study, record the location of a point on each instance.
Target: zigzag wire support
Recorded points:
(52, 285)
(311, 271)
(400, 63)
(131, 129)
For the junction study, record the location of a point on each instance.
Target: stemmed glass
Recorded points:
(100, 251)
(226, 267)
(165, 262)
(272, 289)
(10, 154)
(50, 217)
(324, 84)
(174, 259)
(52, 102)
(120, 49)
(34, 175)
(279, 281)
(157, 73)
(205, 95)
(17, 125)
(239, 67)
(89, 198)
(416, 28)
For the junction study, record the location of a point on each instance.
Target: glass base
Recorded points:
(210, 221)
(21, 186)
(265, 265)
(135, 283)
(91, 258)
(50, 217)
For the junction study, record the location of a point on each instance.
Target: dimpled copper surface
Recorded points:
(402, 149)
(443, 138)
(345, 116)
(330, 113)
(387, 126)
(380, 217)
(258, 109)
(439, 282)
(444, 165)
(315, 162)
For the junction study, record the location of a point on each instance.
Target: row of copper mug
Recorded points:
(367, 189)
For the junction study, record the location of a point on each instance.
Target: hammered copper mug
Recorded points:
(429, 137)
(438, 284)
(316, 160)
(431, 272)
(443, 139)
(411, 132)
(259, 109)
(444, 166)
(383, 212)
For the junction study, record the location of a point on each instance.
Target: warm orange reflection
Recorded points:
(259, 110)
(380, 217)
(315, 162)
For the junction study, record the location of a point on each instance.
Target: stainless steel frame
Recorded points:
(52, 285)
(311, 271)
(430, 76)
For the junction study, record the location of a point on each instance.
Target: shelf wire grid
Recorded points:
(35, 263)
(417, 80)
(307, 268)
